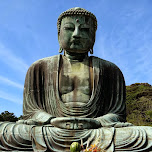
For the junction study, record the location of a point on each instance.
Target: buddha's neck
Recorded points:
(76, 56)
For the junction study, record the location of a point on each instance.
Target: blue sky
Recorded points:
(28, 32)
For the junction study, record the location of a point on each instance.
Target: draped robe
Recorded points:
(42, 98)
(42, 102)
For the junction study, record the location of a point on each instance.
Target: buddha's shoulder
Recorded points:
(104, 63)
(46, 60)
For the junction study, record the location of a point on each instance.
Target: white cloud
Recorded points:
(10, 82)
(11, 60)
(10, 97)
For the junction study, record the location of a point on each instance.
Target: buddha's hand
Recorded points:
(30, 122)
(74, 123)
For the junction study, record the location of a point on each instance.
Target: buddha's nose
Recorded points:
(76, 33)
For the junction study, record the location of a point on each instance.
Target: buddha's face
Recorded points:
(77, 34)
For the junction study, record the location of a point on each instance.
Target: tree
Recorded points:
(7, 116)
(20, 117)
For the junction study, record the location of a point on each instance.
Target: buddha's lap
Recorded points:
(27, 131)
(132, 138)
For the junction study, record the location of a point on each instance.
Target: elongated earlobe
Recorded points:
(91, 51)
(60, 50)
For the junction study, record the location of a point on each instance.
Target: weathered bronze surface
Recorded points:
(74, 97)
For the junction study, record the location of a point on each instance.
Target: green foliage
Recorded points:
(7, 116)
(149, 113)
(20, 117)
(139, 104)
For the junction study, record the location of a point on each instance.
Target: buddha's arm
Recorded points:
(112, 120)
(35, 102)
(33, 113)
(39, 118)
(113, 96)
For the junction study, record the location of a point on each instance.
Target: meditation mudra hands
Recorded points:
(74, 123)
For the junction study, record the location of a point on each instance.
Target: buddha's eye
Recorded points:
(68, 28)
(85, 29)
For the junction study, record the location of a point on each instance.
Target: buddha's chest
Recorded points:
(74, 78)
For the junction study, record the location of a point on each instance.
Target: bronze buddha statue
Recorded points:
(74, 97)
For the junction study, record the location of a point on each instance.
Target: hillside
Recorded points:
(139, 104)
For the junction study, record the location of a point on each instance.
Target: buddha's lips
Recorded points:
(76, 41)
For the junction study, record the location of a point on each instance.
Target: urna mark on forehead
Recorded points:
(78, 19)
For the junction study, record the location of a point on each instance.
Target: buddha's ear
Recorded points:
(59, 39)
(60, 49)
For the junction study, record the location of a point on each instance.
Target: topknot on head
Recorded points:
(76, 11)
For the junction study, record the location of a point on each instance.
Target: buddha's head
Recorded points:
(76, 30)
